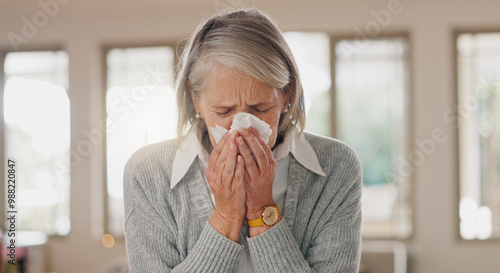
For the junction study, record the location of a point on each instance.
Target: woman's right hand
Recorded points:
(225, 174)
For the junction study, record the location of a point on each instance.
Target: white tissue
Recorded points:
(240, 121)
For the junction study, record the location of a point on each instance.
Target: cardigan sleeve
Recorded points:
(152, 244)
(335, 244)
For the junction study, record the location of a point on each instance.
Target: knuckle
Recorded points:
(222, 159)
(228, 171)
(238, 177)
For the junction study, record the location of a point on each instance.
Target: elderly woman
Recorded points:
(242, 204)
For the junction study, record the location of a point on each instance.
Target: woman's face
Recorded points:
(228, 92)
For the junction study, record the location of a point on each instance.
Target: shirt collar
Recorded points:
(192, 147)
(297, 144)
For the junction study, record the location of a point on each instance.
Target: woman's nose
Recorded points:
(239, 112)
(243, 110)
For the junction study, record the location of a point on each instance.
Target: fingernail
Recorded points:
(239, 158)
(244, 131)
(233, 133)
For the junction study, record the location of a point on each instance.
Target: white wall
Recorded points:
(83, 27)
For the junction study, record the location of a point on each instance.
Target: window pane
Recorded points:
(37, 136)
(370, 97)
(141, 109)
(312, 54)
(479, 135)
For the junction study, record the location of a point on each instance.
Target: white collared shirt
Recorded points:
(294, 143)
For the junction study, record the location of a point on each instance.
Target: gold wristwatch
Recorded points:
(268, 218)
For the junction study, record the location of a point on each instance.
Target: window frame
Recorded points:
(3, 55)
(409, 136)
(177, 46)
(457, 153)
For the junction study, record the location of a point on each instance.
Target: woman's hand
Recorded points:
(260, 168)
(225, 173)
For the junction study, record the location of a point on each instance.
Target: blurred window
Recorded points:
(371, 93)
(370, 111)
(311, 51)
(478, 120)
(141, 109)
(37, 137)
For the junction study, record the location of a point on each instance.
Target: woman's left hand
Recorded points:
(260, 168)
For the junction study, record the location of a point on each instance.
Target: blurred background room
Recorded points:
(412, 85)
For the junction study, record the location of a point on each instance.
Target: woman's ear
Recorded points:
(190, 87)
(286, 101)
(286, 104)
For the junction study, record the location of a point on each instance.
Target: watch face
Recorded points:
(270, 216)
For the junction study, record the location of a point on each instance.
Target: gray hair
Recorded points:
(248, 41)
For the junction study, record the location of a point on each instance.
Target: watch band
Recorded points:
(259, 222)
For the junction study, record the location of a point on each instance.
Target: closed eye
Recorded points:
(262, 110)
(223, 112)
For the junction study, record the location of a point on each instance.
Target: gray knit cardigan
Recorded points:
(167, 230)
